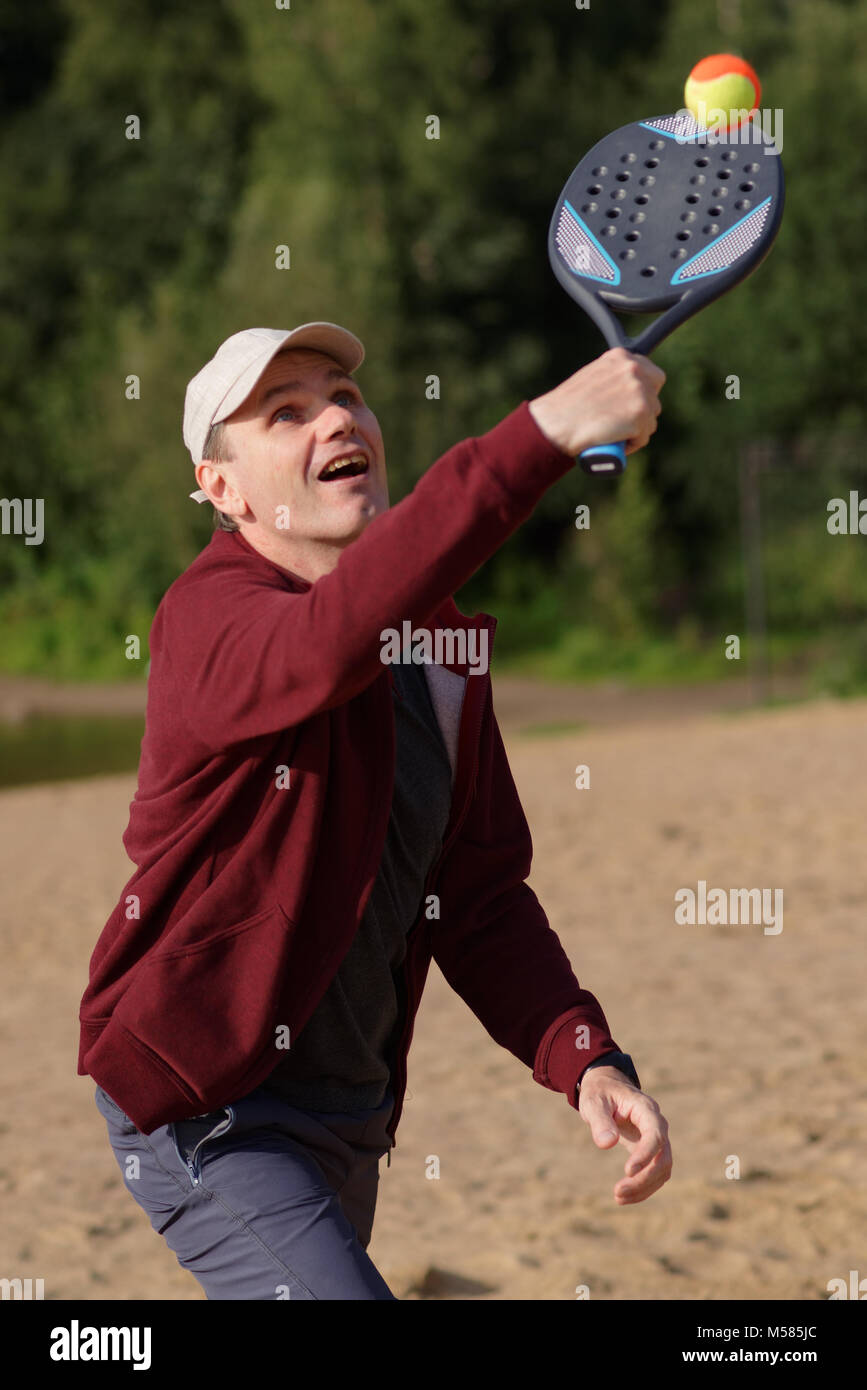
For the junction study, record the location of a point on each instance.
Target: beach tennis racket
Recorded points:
(663, 216)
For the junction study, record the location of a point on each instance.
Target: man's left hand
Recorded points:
(617, 1111)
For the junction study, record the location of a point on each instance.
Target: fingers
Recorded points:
(652, 1126)
(637, 442)
(649, 1165)
(640, 441)
(653, 374)
(642, 380)
(647, 1181)
(642, 1128)
(648, 371)
(603, 1130)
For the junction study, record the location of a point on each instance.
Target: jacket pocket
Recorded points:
(206, 1009)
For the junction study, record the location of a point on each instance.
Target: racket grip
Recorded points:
(604, 458)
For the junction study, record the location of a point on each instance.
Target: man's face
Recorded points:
(303, 412)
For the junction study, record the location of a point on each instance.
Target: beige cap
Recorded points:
(226, 381)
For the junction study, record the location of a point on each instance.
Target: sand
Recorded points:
(751, 1043)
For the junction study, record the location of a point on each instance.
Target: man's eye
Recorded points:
(349, 396)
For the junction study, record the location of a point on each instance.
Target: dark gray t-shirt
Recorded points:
(341, 1061)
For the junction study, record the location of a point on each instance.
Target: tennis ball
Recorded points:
(719, 86)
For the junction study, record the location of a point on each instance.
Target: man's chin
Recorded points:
(359, 520)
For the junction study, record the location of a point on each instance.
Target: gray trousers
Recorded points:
(261, 1200)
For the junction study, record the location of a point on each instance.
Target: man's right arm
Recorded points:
(248, 657)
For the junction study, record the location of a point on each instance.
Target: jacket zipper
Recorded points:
(433, 875)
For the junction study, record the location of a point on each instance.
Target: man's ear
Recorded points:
(210, 477)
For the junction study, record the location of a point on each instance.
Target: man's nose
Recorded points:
(335, 419)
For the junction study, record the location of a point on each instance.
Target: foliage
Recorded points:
(306, 126)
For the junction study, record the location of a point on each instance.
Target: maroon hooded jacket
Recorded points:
(248, 891)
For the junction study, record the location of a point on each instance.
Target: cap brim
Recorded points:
(337, 342)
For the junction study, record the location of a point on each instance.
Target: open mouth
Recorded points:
(354, 466)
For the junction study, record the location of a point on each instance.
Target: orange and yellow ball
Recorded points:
(722, 83)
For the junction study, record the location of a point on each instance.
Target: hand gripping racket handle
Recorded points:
(604, 458)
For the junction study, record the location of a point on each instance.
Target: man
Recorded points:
(315, 820)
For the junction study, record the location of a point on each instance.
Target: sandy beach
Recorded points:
(752, 1043)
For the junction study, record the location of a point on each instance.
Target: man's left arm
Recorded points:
(495, 946)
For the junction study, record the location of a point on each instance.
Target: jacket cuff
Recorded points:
(560, 1062)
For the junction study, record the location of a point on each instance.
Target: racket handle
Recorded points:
(604, 458)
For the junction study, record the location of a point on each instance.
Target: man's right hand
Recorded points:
(615, 397)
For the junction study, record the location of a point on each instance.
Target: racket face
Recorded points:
(659, 216)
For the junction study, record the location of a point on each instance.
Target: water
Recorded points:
(50, 748)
